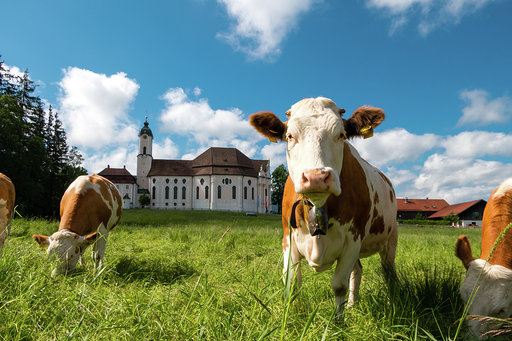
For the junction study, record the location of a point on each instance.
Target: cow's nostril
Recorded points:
(304, 179)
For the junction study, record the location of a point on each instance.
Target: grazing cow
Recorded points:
(490, 274)
(7, 196)
(89, 209)
(338, 206)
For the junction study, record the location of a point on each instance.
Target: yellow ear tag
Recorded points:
(272, 139)
(367, 132)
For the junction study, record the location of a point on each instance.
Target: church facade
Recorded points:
(218, 179)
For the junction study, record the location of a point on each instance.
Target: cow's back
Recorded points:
(497, 215)
(89, 201)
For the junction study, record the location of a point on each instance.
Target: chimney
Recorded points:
(108, 166)
(406, 200)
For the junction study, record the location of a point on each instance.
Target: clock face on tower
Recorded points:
(144, 136)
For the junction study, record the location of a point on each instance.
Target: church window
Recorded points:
(265, 192)
(245, 193)
(127, 186)
(233, 192)
(175, 181)
(166, 192)
(183, 192)
(175, 192)
(219, 193)
(184, 180)
(153, 196)
(252, 193)
(167, 180)
(154, 180)
(197, 192)
(144, 150)
(206, 192)
(201, 181)
(249, 182)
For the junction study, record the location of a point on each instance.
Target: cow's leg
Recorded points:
(4, 225)
(387, 255)
(355, 282)
(99, 247)
(291, 266)
(341, 276)
(3, 234)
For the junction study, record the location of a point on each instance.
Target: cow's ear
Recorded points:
(89, 239)
(363, 121)
(269, 125)
(41, 240)
(463, 251)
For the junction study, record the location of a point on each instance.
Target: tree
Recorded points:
(279, 176)
(451, 218)
(144, 200)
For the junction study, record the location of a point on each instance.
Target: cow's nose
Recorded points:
(316, 180)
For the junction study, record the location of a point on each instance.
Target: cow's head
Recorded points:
(487, 287)
(66, 246)
(315, 133)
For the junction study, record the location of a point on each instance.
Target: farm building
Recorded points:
(470, 213)
(218, 179)
(410, 208)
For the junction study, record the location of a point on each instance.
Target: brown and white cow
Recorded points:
(340, 207)
(488, 281)
(89, 209)
(7, 195)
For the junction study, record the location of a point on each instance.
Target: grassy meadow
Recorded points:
(201, 275)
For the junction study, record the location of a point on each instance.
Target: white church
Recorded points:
(221, 179)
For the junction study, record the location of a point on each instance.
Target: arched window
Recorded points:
(197, 192)
(154, 193)
(206, 192)
(144, 150)
(175, 194)
(219, 193)
(166, 192)
(183, 192)
(233, 192)
(245, 193)
(252, 193)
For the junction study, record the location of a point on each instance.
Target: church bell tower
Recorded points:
(145, 157)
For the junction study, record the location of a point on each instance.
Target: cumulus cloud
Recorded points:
(94, 107)
(431, 13)
(276, 153)
(482, 110)
(395, 146)
(166, 150)
(197, 120)
(261, 25)
(95, 161)
(471, 144)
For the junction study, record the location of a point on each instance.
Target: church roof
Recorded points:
(215, 160)
(118, 175)
(145, 129)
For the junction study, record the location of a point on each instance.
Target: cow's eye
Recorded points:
(289, 137)
(342, 137)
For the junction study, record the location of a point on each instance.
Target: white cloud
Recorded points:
(482, 110)
(119, 157)
(276, 153)
(167, 150)
(460, 179)
(431, 13)
(471, 144)
(395, 146)
(262, 25)
(205, 125)
(94, 107)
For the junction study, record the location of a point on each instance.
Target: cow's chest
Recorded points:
(322, 252)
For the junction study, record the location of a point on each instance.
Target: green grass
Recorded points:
(171, 275)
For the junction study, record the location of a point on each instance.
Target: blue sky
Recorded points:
(440, 69)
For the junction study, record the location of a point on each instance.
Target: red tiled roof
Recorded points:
(118, 175)
(421, 204)
(215, 160)
(455, 209)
